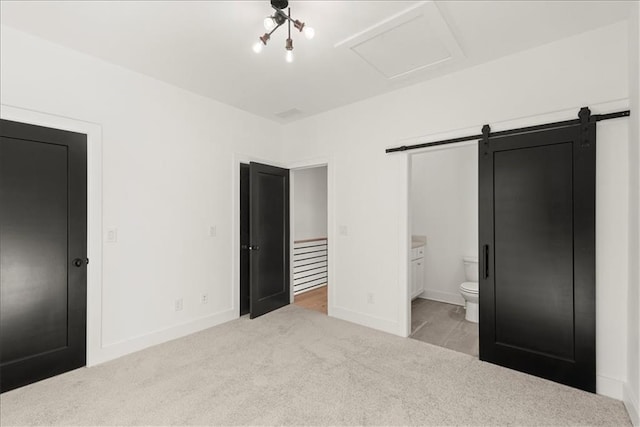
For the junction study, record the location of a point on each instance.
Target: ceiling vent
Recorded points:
(288, 113)
(413, 40)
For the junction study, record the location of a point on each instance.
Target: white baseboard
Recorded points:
(366, 320)
(631, 403)
(122, 348)
(448, 297)
(609, 387)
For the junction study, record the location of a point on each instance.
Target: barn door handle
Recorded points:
(485, 261)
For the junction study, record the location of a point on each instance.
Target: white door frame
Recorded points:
(404, 219)
(94, 212)
(310, 164)
(239, 158)
(408, 164)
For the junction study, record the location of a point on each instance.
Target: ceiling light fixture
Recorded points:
(275, 21)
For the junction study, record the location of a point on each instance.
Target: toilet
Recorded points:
(469, 289)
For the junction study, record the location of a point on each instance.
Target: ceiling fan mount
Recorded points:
(280, 4)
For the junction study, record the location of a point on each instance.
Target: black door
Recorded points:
(537, 244)
(244, 239)
(43, 235)
(269, 238)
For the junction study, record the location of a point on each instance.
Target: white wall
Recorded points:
(310, 203)
(612, 258)
(370, 185)
(632, 388)
(167, 171)
(444, 207)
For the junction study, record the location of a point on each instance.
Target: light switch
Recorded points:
(343, 230)
(112, 235)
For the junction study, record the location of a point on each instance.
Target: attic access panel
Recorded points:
(404, 49)
(416, 39)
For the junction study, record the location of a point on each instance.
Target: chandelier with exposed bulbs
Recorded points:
(278, 19)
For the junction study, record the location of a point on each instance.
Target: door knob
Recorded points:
(254, 247)
(78, 262)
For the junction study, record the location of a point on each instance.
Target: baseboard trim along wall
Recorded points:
(440, 296)
(366, 320)
(630, 402)
(609, 387)
(122, 348)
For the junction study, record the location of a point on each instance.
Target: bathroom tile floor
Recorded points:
(443, 325)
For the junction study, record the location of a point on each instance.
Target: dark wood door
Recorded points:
(43, 235)
(269, 238)
(537, 246)
(244, 239)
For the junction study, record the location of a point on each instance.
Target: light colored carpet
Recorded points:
(296, 366)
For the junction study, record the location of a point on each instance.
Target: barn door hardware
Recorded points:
(584, 119)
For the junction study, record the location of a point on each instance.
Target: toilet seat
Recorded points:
(470, 287)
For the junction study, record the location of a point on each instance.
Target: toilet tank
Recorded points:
(471, 268)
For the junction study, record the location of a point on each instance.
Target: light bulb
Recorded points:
(257, 47)
(309, 32)
(289, 56)
(269, 23)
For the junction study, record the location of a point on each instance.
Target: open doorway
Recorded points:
(309, 263)
(444, 246)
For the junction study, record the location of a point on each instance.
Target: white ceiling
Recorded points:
(205, 46)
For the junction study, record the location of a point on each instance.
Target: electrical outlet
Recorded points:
(370, 298)
(178, 305)
(112, 235)
(212, 231)
(204, 298)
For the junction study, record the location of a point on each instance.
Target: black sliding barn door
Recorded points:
(43, 246)
(537, 247)
(269, 238)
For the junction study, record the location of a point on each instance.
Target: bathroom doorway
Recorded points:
(310, 257)
(444, 247)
